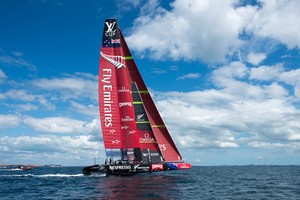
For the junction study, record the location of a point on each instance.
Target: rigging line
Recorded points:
(144, 91)
(158, 126)
(128, 58)
(137, 102)
(144, 122)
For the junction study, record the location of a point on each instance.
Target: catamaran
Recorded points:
(135, 137)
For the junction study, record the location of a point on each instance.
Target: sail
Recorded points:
(131, 125)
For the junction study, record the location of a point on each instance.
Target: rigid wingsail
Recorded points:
(135, 137)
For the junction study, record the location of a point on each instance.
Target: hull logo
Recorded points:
(120, 167)
(156, 167)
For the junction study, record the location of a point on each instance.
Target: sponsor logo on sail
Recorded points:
(123, 89)
(139, 117)
(117, 61)
(147, 139)
(131, 132)
(127, 119)
(115, 141)
(106, 98)
(115, 41)
(162, 147)
(110, 27)
(121, 104)
(112, 131)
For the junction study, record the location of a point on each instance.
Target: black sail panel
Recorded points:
(148, 144)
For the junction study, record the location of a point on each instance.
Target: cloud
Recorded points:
(48, 149)
(189, 76)
(88, 110)
(158, 71)
(229, 76)
(17, 53)
(26, 96)
(127, 5)
(7, 121)
(200, 30)
(63, 125)
(236, 77)
(278, 19)
(22, 95)
(266, 145)
(275, 91)
(64, 83)
(191, 30)
(218, 123)
(256, 58)
(292, 78)
(16, 60)
(80, 85)
(51, 93)
(239, 112)
(27, 107)
(266, 73)
(2, 75)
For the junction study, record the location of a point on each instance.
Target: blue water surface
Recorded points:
(219, 182)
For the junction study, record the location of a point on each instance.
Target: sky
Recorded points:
(224, 75)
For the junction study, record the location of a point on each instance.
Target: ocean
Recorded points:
(218, 182)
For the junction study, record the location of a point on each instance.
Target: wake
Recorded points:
(42, 175)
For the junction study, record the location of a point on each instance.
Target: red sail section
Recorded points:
(162, 136)
(108, 95)
(115, 101)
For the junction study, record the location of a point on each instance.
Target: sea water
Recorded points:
(219, 182)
